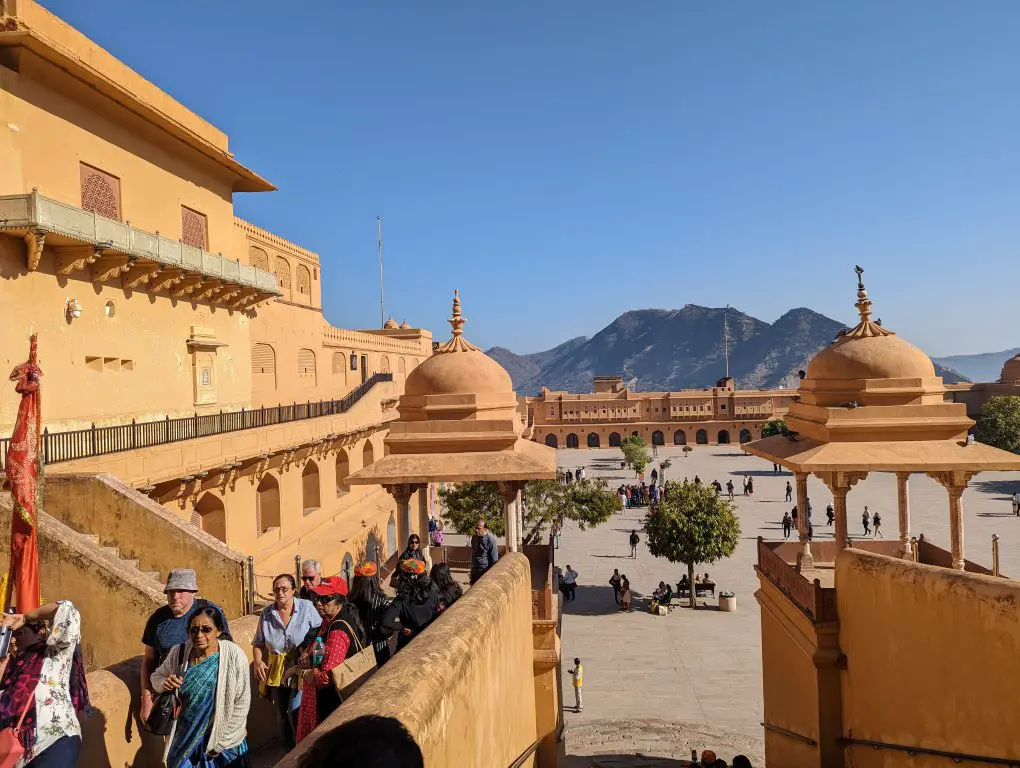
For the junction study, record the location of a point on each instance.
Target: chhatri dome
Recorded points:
(391, 324)
(458, 367)
(1010, 371)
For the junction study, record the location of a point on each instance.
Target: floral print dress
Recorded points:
(54, 711)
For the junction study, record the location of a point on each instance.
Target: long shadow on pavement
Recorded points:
(598, 601)
(1006, 487)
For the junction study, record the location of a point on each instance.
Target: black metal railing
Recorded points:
(98, 441)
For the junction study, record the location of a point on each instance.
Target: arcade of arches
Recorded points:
(601, 438)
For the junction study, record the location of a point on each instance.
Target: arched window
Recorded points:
(657, 438)
(401, 366)
(282, 269)
(263, 367)
(701, 438)
(614, 440)
(634, 434)
(267, 504)
(724, 437)
(550, 440)
(304, 280)
(347, 569)
(258, 258)
(571, 440)
(391, 537)
(372, 549)
(343, 468)
(745, 435)
(593, 440)
(384, 364)
(367, 454)
(310, 487)
(306, 368)
(679, 437)
(212, 517)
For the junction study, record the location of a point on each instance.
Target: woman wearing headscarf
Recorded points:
(210, 674)
(342, 635)
(368, 597)
(416, 604)
(282, 629)
(44, 683)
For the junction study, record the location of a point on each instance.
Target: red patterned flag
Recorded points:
(25, 478)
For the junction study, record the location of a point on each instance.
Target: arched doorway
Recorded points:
(724, 437)
(701, 438)
(372, 548)
(391, 537)
(347, 569)
(634, 434)
(571, 440)
(657, 438)
(614, 440)
(212, 517)
(679, 437)
(550, 440)
(745, 435)
(593, 440)
(267, 504)
(343, 469)
(310, 487)
(367, 454)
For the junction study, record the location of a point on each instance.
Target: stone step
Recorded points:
(130, 563)
(111, 551)
(94, 538)
(152, 575)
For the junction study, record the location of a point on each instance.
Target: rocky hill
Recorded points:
(670, 349)
(982, 367)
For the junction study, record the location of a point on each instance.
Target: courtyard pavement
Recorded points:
(701, 670)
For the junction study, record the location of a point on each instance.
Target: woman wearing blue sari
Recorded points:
(210, 674)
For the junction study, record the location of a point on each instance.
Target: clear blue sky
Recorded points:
(563, 162)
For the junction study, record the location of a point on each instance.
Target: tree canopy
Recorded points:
(636, 453)
(774, 427)
(691, 525)
(588, 503)
(999, 423)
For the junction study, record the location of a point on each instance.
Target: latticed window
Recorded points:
(282, 269)
(304, 280)
(339, 363)
(194, 228)
(100, 192)
(306, 367)
(263, 359)
(258, 258)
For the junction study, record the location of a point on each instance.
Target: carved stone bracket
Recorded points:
(509, 489)
(186, 491)
(401, 492)
(207, 289)
(166, 277)
(841, 481)
(74, 258)
(954, 481)
(186, 285)
(107, 267)
(140, 274)
(35, 241)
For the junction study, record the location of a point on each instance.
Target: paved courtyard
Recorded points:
(701, 671)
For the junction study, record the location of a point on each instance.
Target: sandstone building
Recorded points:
(717, 415)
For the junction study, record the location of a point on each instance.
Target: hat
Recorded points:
(366, 569)
(182, 580)
(413, 565)
(708, 756)
(329, 586)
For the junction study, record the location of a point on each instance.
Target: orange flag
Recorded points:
(25, 478)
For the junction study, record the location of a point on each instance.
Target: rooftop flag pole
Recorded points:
(726, 339)
(382, 301)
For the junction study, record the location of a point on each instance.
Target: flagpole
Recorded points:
(382, 301)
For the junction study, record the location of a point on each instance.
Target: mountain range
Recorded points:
(981, 367)
(671, 349)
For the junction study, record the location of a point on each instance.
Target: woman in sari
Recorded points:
(624, 593)
(210, 675)
(342, 634)
(282, 629)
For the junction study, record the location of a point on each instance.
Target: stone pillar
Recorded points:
(800, 482)
(903, 507)
(509, 490)
(401, 494)
(840, 484)
(955, 483)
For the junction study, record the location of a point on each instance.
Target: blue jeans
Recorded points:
(63, 753)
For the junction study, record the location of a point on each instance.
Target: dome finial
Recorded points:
(457, 321)
(863, 302)
(457, 343)
(866, 327)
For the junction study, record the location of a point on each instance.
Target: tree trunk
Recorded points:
(690, 578)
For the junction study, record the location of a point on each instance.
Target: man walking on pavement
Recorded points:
(577, 676)
(729, 489)
(634, 540)
(789, 491)
(614, 582)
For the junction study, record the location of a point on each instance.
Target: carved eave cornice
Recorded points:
(164, 279)
(186, 285)
(109, 266)
(75, 258)
(140, 274)
(206, 289)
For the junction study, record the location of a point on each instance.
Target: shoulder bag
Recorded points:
(352, 672)
(11, 748)
(167, 706)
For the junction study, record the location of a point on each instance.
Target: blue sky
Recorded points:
(563, 162)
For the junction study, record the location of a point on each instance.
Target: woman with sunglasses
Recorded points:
(282, 629)
(342, 634)
(210, 674)
(44, 686)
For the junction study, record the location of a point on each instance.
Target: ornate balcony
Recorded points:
(84, 240)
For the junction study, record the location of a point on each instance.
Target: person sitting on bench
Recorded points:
(684, 585)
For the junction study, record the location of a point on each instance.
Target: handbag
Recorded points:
(352, 672)
(11, 748)
(165, 709)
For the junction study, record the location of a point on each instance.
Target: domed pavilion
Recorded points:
(458, 422)
(871, 402)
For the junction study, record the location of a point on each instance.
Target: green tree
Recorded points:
(635, 453)
(999, 423)
(663, 466)
(692, 525)
(588, 503)
(687, 450)
(774, 427)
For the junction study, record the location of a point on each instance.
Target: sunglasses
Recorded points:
(307, 578)
(205, 630)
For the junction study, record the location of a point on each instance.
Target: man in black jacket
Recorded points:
(484, 550)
